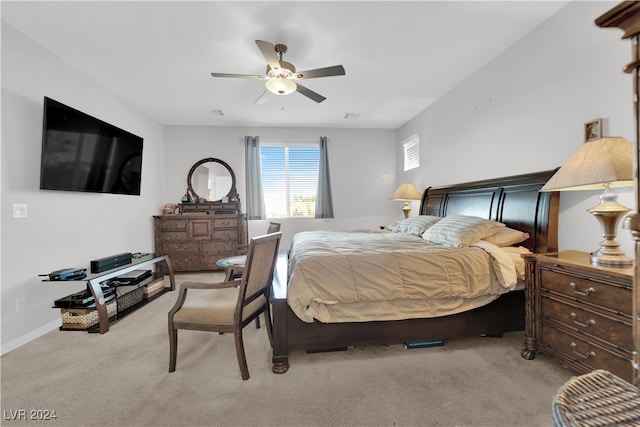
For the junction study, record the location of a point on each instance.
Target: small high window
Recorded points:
(411, 152)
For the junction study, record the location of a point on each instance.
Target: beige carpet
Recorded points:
(122, 379)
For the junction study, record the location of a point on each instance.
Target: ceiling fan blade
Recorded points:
(264, 98)
(310, 94)
(241, 76)
(269, 53)
(336, 70)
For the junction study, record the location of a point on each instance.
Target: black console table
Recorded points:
(95, 280)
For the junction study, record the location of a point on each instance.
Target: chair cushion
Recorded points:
(214, 307)
(236, 261)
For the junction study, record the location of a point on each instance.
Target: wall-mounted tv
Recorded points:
(83, 153)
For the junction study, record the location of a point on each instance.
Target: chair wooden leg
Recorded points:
(228, 274)
(242, 360)
(173, 347)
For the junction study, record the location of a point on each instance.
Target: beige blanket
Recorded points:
(360, 276)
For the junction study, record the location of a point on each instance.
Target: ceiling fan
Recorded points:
(281, 77)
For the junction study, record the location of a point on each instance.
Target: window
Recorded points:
(411, 152)
(289, 179)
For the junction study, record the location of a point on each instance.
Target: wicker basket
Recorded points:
(130, 299)
(84, 318)
(154, 288)
(597, 399)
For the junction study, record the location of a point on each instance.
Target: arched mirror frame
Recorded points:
(232, 195)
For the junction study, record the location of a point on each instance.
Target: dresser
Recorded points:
(579, 313)
(194, 242)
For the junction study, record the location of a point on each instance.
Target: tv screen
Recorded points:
(83, 153)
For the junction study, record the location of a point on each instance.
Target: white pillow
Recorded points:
(416, 225)
(507, 237)
(461, 230)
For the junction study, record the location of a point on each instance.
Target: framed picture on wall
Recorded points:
(593, 130)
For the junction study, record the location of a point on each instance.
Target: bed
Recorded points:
(514, 201)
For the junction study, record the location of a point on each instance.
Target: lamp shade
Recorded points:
(280, 86)
(597, 164)
(406, 192)
(604, 162)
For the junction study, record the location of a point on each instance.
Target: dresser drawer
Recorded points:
(226, 235)
(578, 317)
(178, 224)
(178, 248)
(583, 353)
(606, 295)
(186, 262)
(225, 222)
(174, 236)
(220, 248)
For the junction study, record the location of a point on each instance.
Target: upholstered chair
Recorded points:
(229, 306)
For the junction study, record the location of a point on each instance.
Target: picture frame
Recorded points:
(593, 130)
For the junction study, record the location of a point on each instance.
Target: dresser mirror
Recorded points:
(211, 180)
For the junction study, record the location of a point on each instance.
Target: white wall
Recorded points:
(525, 112)
(361, 161)
(63, 229)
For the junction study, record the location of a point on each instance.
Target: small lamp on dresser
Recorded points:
(600, 163)
(406, 193)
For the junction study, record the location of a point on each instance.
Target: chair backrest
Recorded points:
(258, 269)
(274, 227)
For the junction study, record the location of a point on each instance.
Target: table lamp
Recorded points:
(405, 193)
(600, 163)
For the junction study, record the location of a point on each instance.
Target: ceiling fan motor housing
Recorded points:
(281, 75)
(285, 68)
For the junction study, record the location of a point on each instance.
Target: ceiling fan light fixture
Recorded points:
(280, 86)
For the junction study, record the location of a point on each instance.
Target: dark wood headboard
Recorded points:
(515, 201)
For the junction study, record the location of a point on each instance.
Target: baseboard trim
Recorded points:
(37, 333)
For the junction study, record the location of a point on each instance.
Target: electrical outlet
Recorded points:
(19, 210)
(20, 304)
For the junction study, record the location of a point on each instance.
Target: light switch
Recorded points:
(19, 210)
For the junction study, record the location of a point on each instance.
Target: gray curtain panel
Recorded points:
(324, 204)
(255, 197)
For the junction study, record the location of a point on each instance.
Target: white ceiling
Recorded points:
(399, 57)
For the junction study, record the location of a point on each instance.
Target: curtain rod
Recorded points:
(288, 140)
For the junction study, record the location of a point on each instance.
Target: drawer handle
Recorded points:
(588, 323)
(586, 294)
(589, 355)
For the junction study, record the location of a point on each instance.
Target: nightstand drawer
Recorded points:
(578, 350)
(613, 331)
(606, 295)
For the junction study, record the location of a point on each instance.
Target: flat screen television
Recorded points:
(83, 153)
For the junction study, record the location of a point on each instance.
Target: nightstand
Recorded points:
(579, 313)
